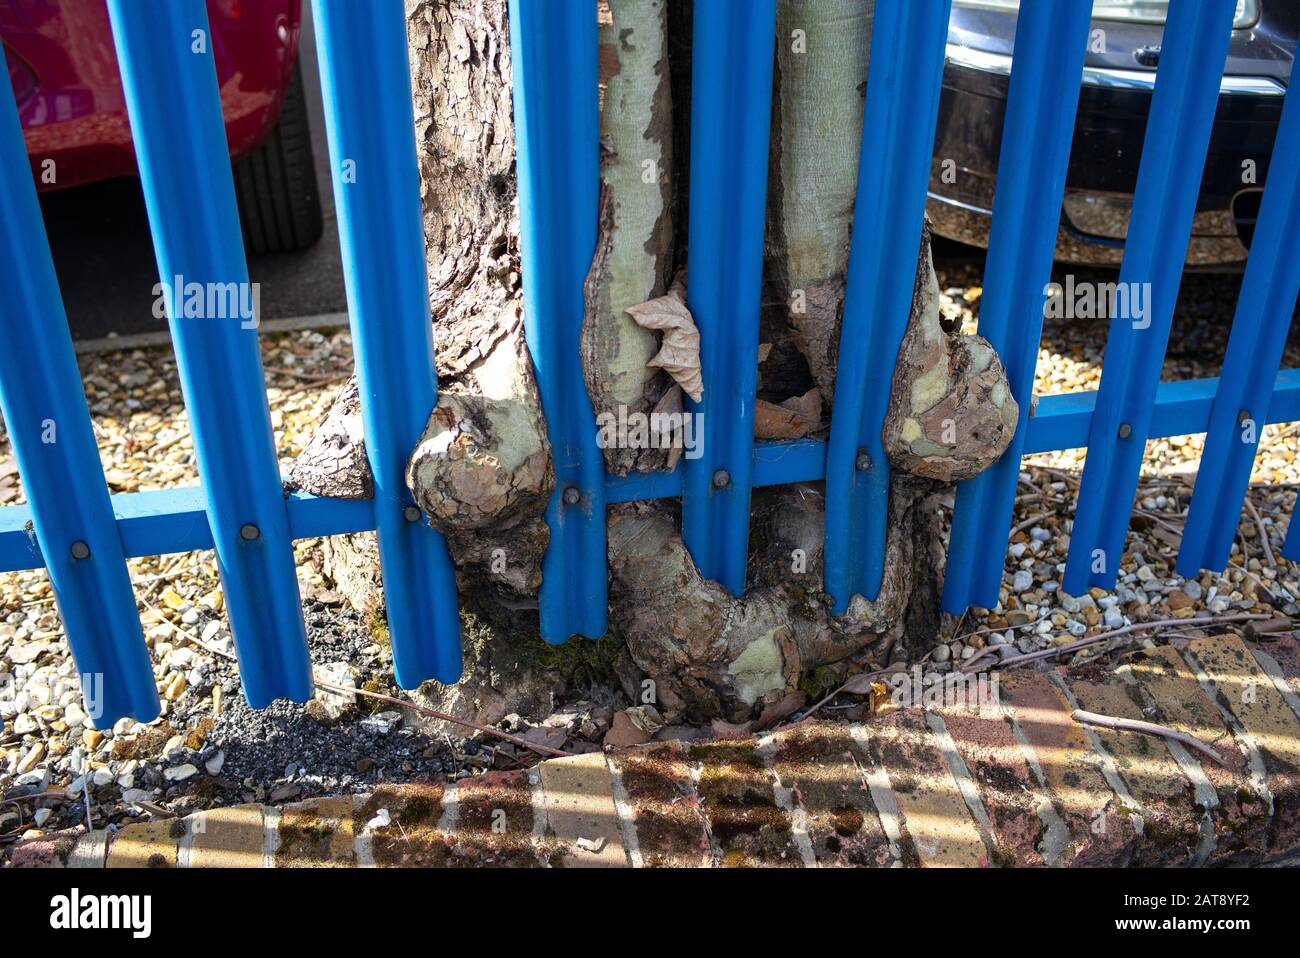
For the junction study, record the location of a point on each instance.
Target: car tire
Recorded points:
(275, 184)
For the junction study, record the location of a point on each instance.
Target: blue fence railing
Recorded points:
(82, 536)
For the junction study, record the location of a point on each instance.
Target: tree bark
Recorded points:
(482, 471)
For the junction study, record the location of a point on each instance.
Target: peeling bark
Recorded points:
(634, 250)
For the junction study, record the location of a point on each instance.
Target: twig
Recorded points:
(1032, 521)
(1146, 728)
(1114, 633)
(1263, 533)
(443, 716)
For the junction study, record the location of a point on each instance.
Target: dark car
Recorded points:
(64, 74)
(1113, 104)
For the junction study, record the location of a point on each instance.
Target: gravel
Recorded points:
(208, 748)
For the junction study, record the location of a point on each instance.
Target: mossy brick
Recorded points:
(1284, 656)
(821, 763)
(1102, 830)
(1171, 820)
(1241, 820)
(1019, 809)
(316, 833)
(1248, 693)
(581, 816)
(49, 851)
(666, 813)
(935, 815)
(494, 822)
(411, 838)
(147, 844)
(747, 827)
(232, 837)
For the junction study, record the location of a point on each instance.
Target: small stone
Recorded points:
(285, 791)
(1022, 581)
(180, 773)
(1145, 574)
(24, 724)
(1112, 618)
(623, 732)
(941, 653)
(28, 761)
(132, 795)
(1180, 600)
(1192, 588)
(102, 776)
(214, 764)
(175, 687)
(41, 816)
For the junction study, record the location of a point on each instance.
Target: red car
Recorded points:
(64, 74)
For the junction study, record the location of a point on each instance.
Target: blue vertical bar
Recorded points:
(366, 85)
(169, 80)
(1291, 545)
(902, 108)
(49, 428)
(1259, 330)
(553, 46)
(731, 115)
(1193, 50)
(1048, 60)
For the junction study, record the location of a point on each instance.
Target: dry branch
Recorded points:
(1146, 728)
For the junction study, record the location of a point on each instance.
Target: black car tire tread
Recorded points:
(275, 184)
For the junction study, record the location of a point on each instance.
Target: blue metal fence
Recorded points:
(74, 529)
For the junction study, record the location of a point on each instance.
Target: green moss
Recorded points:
(378, 629)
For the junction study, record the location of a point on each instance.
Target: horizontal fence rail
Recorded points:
(84, 537)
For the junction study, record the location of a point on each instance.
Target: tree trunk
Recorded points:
(482, 471)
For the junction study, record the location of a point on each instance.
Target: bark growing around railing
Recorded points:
(482, 471)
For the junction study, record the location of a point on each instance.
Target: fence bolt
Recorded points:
(249, 532)
(80, 550)
(1243, 416)
(721, 479)
(411, 514)
(1125, 430)
(572, 496)
(863, 462)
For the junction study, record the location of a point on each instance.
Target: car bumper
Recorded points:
(1103, 165)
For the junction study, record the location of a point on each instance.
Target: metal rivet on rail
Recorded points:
(248, 532)
(572, 496)
(80, 550)
(721, 479)
(411, 514)
(1125, 430)
(1243, 416)
(863, 462)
